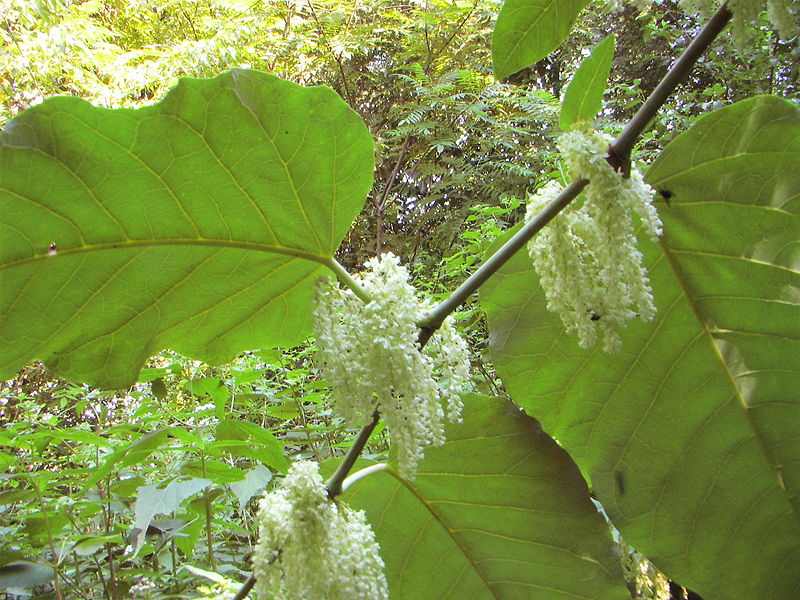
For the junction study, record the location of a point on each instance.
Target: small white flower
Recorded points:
(587, 258)
(369, 354)
(310, 548)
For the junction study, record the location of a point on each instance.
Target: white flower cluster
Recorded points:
(310, 548)
(746, 13)
(587, 258)
(369, 354)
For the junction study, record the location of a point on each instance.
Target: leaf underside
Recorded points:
(583, 98)
(528, 30)
(198, 224)
(689, 435)
(499, 512)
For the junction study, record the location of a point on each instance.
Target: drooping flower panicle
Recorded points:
(310, 548)
(369, 354)
(587, 258)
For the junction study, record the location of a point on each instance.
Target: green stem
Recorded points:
(212, 561)
(358, 475)
(48, 529)
(347, 280)
(245, 589)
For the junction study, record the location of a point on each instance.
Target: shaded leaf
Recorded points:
(498, 512)
(210, 386)
(23, 575)
(528, 30)
(131, 454)
(18, 495)
(263, 446)
(583, 97)
(689, 434)
(199, 223)
(86, 546)
(41, 527)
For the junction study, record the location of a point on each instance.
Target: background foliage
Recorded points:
(125, 494)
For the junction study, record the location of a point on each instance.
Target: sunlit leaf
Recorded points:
(261, 444)
(199, 223)
(689, 434)
(131, 454)
(254, 482)
(528, 30)
(583, 97)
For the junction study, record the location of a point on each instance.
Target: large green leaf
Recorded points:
(583, 98)
(689, 435)
(198, 224)
(498, 512)
(528, 30)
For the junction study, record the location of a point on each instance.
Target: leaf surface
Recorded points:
(199, 223)
(583, 97)
(498, 512)
(528, 30)
(152, 500)
(254, 482)
(23, 575)
(260, 444)
(689, 434)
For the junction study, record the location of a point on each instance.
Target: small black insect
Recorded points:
(666, 194)
(595, 317)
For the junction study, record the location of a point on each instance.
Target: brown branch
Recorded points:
(618, 157)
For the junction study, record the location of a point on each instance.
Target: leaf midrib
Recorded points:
(198, 242)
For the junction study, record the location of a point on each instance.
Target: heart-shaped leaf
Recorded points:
(199, 223)
(498, 512)
(689, 435)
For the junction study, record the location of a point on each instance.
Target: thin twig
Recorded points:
(499, 258)
(623, 145)
(334, 484)
(336, 57)
(245, 589)
(380, 205)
